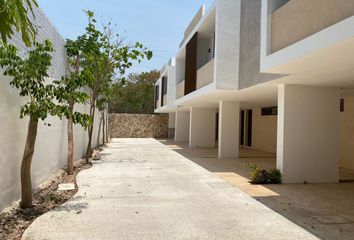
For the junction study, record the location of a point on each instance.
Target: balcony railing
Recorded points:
(299, 19)
(165, 99)
(205, 74)
(157, 104)
(180, 89)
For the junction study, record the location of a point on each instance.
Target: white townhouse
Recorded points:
(270, 75)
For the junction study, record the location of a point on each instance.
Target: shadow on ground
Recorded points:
(326, 210)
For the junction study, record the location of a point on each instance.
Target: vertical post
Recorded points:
(202, 127)
(182, 126)
(308, 134)
(229, 128)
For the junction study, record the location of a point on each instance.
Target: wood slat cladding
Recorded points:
(163, 87)
(156, 96)
(191, 65)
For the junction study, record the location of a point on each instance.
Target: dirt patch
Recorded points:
(14, 220)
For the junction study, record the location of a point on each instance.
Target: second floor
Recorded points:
(165, 86)
(240, 44)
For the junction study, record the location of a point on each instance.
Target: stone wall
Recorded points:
(138, 125)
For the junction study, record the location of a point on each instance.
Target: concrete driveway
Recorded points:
(143, 190)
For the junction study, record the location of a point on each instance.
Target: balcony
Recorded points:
(300, 19)
(205, 74)
(180, 89)
(157, 104)
(164, 99)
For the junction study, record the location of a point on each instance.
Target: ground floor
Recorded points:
(143, 189)
(326, 210)
(310, 130)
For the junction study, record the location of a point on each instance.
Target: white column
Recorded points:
(229, 126)
(308, 134)
(202, 127)
(171, 125)
(182, 126)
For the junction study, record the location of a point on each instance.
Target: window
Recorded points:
(269, 111)
(342, 105)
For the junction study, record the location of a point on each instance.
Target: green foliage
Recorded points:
(68, 92)
(104, 97)
(103, 56)
(14, 15)
(55, 198)
(70, 88)
(134, 94)
(28, 76)
(262, 176)
(275, 176)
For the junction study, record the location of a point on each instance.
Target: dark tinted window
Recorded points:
(268, 111)
(342, 105)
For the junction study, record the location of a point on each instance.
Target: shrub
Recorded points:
(262, 176)
(275, 176)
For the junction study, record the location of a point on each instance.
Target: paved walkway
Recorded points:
(143, 190)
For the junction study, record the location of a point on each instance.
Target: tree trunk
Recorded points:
(26, 181)
(99, 132)
(103, 128)
(107, 126)
(70, 168)
(90, 131)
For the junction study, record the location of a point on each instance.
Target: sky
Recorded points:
(158, 24)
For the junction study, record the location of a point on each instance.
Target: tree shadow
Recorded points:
(68, 207)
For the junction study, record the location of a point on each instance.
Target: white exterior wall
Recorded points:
(159, 94)
(202, 127)
(180, 70)
(46, 31)
(347, 134)
(205, 48)
(227, 43)
(168, 71)
(171, 83)
(51, 145)
(264, 131)
(308, 134)
(171, 120)
(229, 128)
(182, 126)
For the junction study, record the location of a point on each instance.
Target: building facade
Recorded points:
(270, 75)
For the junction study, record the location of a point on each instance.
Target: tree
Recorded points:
(70, 92)
(102, 103)
(28, 76)
(14, 15)
(104, 57)
(134, 94)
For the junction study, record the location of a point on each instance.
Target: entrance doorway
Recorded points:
(246, 118)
